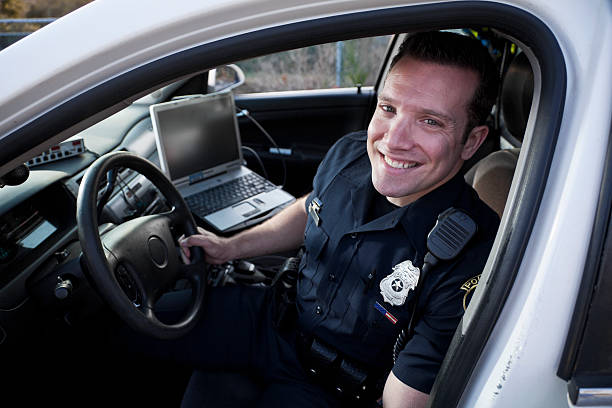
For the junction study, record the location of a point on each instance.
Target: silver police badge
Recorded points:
(395, 287)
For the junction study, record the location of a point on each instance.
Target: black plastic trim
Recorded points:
(515, 22)
(381, 74)
(591, 271)
(315, 99)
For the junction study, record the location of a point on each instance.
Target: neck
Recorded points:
(409, 199)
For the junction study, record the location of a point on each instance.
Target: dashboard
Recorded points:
(29, 230)
(39, 249)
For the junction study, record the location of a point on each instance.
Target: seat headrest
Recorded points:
(517, 93)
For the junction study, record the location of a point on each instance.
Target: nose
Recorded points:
(400, 135)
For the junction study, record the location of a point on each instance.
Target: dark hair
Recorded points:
(458, 50)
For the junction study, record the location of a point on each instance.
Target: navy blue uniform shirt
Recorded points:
(339, 294)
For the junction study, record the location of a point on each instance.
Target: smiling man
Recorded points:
(364, 228)
(416, 138)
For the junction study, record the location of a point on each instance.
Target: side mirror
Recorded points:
(225, 77)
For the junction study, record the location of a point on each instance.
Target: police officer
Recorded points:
(364, 227)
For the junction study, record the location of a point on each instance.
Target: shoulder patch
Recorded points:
(469, 287)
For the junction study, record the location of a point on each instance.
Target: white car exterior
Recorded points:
(518, 365)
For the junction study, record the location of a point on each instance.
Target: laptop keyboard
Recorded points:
(224, 195)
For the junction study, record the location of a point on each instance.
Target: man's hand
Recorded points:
(398, 395)
(217, 249)
(283, 232)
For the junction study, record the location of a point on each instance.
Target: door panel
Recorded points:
(304, 125)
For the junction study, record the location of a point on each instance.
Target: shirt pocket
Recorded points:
(381, 321)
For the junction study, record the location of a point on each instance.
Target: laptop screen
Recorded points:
(196, 135)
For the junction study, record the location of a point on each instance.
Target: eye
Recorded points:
(388, 108)
(432, 122)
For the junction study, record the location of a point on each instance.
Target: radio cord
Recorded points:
(252, 119)
(429, 262)
(451, 222)
(254, 153)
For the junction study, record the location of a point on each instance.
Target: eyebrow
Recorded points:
(440, 115)
(383, 98)
(392, 101)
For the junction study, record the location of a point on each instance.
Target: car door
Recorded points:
(585, 363)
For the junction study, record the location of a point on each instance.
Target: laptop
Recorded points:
(199, 149)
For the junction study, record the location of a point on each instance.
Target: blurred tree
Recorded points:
(362, 59)
(12, 8)
(354, 70)
(54, 8)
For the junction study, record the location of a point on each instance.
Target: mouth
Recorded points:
(400, 164)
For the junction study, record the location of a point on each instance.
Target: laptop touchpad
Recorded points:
(245, 209)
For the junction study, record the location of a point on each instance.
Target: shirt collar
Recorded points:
(417, 218)
(420, 216)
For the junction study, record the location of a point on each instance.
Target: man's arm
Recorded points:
(282, 232)
(399, 395)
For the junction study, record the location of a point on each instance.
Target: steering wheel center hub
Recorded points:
(158, 251)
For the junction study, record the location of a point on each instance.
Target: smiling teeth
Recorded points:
(399, 165)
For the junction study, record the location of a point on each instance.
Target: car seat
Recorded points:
(491, 177)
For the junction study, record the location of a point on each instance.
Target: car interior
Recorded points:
(56, 331)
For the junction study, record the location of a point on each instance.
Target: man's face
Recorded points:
(415, 138)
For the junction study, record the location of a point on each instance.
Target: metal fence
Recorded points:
(8, 34)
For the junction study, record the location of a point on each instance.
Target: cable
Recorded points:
(123, 184)
(406, 334)
(252, 119)
(111, 176)
(263, 168)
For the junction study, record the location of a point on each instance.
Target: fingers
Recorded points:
(185, 256)
(195, 240)
(184, 250)
(214, 247)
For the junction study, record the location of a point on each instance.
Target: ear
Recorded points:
(474, 140)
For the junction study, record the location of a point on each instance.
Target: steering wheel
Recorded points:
(135, 263)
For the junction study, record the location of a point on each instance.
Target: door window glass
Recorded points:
(332, 65)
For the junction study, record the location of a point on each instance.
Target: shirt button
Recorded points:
(318, 310)
(353, 235)
(332, 277)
